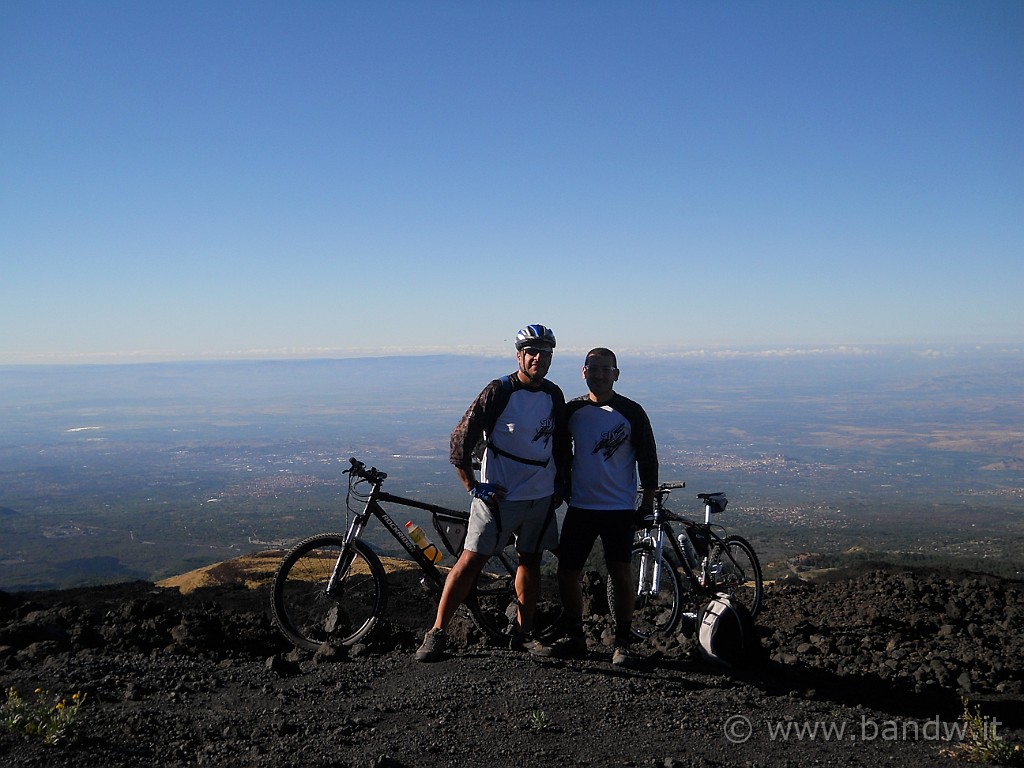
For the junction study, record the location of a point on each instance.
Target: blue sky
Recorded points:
(249, 179)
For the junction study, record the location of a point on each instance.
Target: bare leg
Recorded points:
(457, 586)
(528, 588)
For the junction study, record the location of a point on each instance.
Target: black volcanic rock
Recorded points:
(206, 679)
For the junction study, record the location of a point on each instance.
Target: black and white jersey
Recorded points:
(522, 446)
(612, 442)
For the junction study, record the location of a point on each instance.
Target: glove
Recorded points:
(488, 493)
(643, 517)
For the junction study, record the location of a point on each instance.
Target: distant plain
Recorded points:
(110, 473)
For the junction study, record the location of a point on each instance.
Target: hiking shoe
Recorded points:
(622, 656)
(571, 646)
(434, 644)
(524, 641)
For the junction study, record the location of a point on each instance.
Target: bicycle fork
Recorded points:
(649, 583)
(348, 554)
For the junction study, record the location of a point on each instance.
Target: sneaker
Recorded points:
(524, 641)
(623, 657)
(434, 644)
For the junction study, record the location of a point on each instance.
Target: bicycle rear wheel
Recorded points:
(736, 570)
(307, 613)
(654, 612)
(494, 605)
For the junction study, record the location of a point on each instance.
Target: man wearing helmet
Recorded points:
(517, 418)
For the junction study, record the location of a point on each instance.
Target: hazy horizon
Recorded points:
(937, 348)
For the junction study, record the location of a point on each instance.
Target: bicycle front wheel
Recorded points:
(657, 591)
(308, 612)
(735, 569)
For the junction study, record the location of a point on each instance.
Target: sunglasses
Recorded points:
(537, 352)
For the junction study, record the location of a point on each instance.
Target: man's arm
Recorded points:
(646, 456)
(467, 476)
(470, 431)
(561, 447)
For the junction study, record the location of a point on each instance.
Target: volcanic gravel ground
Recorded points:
(881, 658)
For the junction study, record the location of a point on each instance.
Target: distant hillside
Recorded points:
(251, 571)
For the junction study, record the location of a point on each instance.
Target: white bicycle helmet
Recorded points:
(535, 334)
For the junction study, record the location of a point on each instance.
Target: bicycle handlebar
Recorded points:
(374, 475)
(671, 486)
(358, 469)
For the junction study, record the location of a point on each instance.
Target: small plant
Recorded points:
(43, 716)
(539, 720)
(982, 743)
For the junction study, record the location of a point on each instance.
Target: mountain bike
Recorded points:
(332, 587)
(677, 573)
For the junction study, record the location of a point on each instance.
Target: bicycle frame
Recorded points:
(434, 579)
(656, 539)
(333, 586)
(373, 508)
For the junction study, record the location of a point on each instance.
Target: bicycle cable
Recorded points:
(354, 492)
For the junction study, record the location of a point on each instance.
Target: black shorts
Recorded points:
(582, 527)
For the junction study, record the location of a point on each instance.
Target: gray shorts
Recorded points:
(532, 523)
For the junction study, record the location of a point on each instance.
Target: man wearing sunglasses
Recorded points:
(517, 421)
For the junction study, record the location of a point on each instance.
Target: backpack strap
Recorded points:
(507, 385)
(520, 459)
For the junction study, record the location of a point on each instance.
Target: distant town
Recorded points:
(142, 472)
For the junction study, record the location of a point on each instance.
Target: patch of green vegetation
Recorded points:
(42, 716)
(982, 742)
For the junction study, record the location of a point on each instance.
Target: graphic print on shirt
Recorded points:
(611, 441)
(545, 431)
